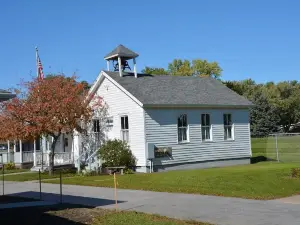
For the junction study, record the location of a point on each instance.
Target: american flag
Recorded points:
(40, 73)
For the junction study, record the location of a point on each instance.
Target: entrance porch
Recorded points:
(36, 154)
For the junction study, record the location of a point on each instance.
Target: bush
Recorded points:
(116, 153)
(128, 171)
(296, 172)
(10, 166)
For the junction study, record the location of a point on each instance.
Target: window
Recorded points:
(205, 127)
(182, 128)
(227, 127)
(109, 121)
(96, 126)
(66, 142)
(124, 128)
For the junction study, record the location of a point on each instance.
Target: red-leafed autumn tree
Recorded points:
(50, 107)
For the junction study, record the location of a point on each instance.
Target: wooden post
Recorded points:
(107, 63)
(40, 182)
(116, 195)
(2, 174)
(60, 189)
(134, 68)
(34, 153)
(15, 146)
(120, 66)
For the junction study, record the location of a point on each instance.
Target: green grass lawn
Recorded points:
(14, 171)
(34, 176)
(256, 181)
(288, 148)
(69, 214)
(123, 218)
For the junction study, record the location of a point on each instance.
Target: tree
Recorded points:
(263, 116)
(285, 96)
(49, 107)
(155, 71)
(85, 84)
(179, 67)
(203, 68)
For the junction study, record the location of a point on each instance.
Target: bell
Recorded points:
(124, 65)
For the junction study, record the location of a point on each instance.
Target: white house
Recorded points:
(190, 122)
(186, 122)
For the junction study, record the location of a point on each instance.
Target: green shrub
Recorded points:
(10, 166)
(116, 153)
(128, 171)
(296, 172)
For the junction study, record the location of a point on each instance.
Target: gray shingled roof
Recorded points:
(121, 51)
(178, 90)
(5, 95)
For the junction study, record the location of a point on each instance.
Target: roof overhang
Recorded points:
(198, 106)
(4, 96)
(98, 82)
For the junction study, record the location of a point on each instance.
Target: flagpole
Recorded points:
(37, 75)
(36, 60)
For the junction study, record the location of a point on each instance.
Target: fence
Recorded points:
(61, 158)
(281, 147)
(27, 156)
(7, 157)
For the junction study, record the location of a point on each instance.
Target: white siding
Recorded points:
(121, 104)
(161, 130)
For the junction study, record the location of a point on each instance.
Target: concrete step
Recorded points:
(37, 168)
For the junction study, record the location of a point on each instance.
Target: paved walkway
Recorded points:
(216, 210)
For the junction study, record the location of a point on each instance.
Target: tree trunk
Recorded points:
(286, 128)
(51, 157)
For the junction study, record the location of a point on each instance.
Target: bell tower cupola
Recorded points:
(119, 58)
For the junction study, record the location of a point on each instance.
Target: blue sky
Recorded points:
(250, 39)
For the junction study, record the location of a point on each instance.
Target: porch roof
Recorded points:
(5, 95)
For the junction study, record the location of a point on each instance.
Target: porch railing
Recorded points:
(41, 157)
(27, 156)
(61, 158)
(7, 157)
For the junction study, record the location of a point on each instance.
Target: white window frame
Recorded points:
(228, 126)
(109, 122)
(97, 126)
(96, 132)
(124, 132)
(204, 127)
(183, 127)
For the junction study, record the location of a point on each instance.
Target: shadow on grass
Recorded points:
(75, 210)
(39, 216)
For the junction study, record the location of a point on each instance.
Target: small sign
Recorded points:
(161, 152)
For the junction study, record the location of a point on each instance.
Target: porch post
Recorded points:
(8, 146)
(15, 146)
(48, 151)
(8, 158)
(21, 153)
(73, 158)
(34, 153)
